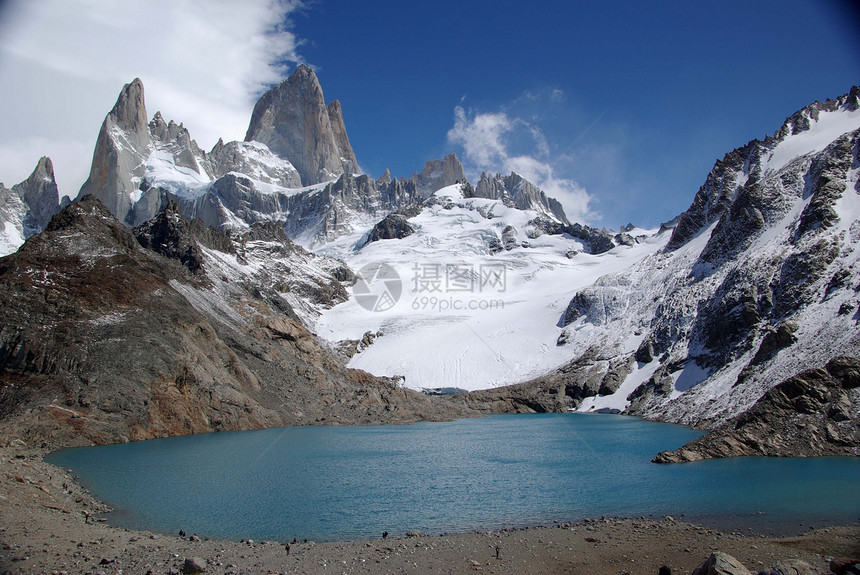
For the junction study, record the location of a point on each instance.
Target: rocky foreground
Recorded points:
(49, 524)
(109, 334)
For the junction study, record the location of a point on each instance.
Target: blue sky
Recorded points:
(618, 108)
(634, 100)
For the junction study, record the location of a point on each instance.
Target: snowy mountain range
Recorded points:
(439, 283)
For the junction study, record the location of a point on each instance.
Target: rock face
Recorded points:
(520, 193)
(747, 166)
(121, 150)
(103, 340)
(749, 288)
(293, 120)
(814, 413)
(394, 226)
(254, 160)
(438, 174)
(40, 193)
(26, 209)
(123, 175)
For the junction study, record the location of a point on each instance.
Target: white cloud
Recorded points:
(496, 142)
(63, 63)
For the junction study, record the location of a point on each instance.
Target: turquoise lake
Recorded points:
(337, 483)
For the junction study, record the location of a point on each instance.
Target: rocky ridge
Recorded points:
(103, 340)
(518, 192)
(296, 167)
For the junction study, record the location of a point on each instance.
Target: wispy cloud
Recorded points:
(202, 62)
(500, 142)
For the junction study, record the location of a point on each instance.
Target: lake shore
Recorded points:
(49, 524)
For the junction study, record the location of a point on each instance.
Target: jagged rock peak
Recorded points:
(40, 192)
(293, 120)
(27, 208)
(437, 174)
(117, 161)
(801, 120)
(386, 177)
(519, 192)
(129, 112)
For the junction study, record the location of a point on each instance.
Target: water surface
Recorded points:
(334, 483)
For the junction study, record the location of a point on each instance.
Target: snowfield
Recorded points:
(450, 327)
(467, 318)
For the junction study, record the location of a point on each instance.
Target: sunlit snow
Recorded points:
(453, 326)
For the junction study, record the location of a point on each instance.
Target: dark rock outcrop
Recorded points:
(596, 241)
(811, 414)
(174, 237)
(588, 375)
(394, 226)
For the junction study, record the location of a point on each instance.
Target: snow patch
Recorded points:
(11, 238)
(821, 133)
(618, 400)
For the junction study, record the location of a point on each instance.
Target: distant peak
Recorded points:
(303, 70)
(44, 169)
(303, 78)
(129, 112)
(292, 119)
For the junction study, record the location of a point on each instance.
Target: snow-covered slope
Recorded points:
(13, 212)
(481, 289)
(757, 282)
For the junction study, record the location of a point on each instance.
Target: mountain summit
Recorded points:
(292, 119)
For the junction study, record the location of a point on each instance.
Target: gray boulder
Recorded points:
(795, 567)
(193, 565)
(720, 563)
